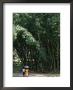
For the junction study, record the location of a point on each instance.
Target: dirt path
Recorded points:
(36, 75)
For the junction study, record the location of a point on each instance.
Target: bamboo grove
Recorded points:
(36, 41)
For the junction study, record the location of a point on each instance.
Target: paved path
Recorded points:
(36, 75)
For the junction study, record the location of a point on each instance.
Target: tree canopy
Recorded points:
(36, 38)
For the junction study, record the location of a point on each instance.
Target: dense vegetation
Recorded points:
(36, 41)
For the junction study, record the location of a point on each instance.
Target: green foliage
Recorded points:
(36, 36)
